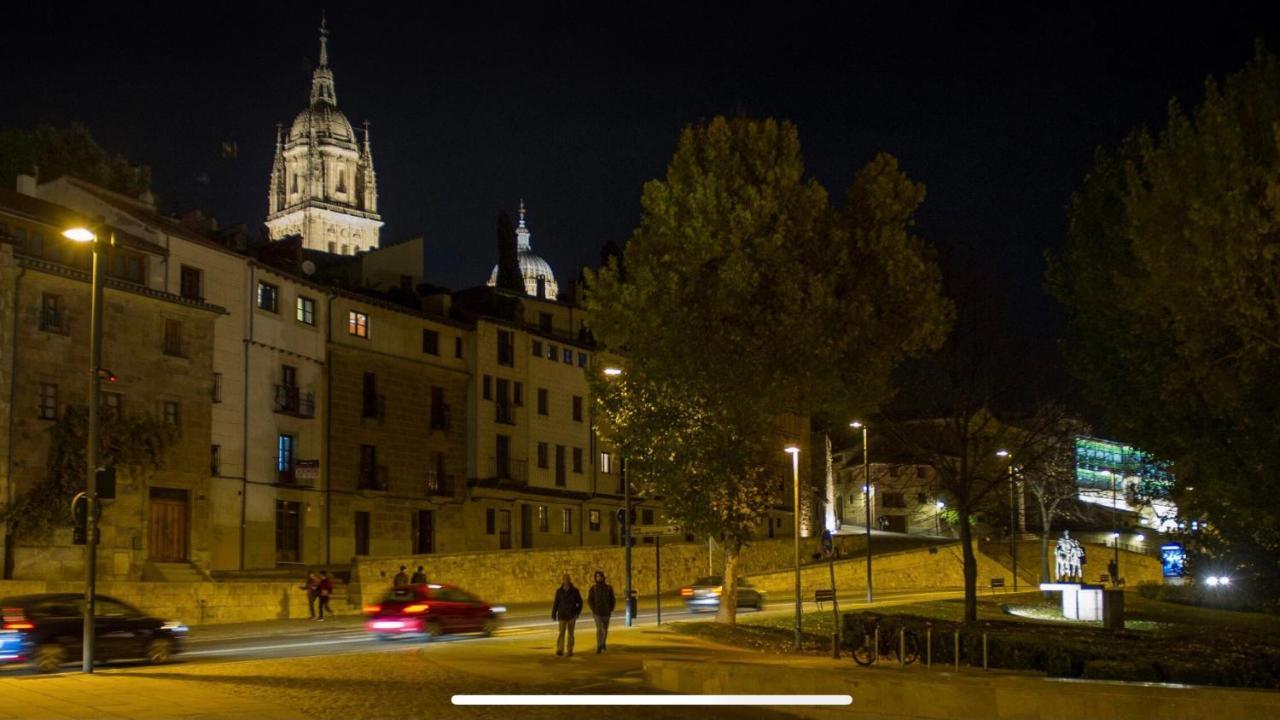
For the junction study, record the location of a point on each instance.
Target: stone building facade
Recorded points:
(159, 347)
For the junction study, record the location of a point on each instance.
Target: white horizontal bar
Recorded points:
(621, 700)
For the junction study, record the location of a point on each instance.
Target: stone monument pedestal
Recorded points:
(1079, 601)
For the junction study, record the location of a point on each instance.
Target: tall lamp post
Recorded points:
(866, 497)
(1013, 546)
(85, 235)
(794, 451)
(613, 372)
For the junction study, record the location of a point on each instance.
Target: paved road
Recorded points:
(346, 635)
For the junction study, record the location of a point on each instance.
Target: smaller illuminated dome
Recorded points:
(535, 271)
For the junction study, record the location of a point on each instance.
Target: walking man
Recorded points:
(600, 599)
(419, 577)
(565, 610)
(325, 589)
(401, 579)
(312, 586)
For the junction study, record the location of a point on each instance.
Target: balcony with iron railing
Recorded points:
(439, 484)
(374, 478)
(54, 321)
(294, 401)
(508, 469)
(289, 477)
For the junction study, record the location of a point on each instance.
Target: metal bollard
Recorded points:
(956, 635)
(875, 652)
(835, 645)
(928, 645)
(984, 649)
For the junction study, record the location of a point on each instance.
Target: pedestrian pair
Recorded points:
(568, 606)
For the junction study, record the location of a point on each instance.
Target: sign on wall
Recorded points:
(306, 470)
(1173, 560)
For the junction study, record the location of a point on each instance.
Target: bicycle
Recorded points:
(904, 647)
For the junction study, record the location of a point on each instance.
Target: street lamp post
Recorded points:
(937, 517)
(613, 372)
(1013, 546)
(866, 496)
(84, 235)
(794, 450)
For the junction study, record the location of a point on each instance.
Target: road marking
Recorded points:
(625, 700)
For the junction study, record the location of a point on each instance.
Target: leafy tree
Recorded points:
(68, 151)
(134, 444)
(1170, 282)
(1051, 478)
(746, 300)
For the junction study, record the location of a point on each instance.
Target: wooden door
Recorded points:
(526, 526)
(288, 532)
(167, 531)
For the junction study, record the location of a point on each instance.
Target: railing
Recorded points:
(504, 412)
(292, 400)
(54, 321)
(440, 416)
(508, 469)
(290, 477)
(372, 478)
(438, 484)
(375, 407)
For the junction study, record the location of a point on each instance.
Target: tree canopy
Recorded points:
(747, 300)
(58, 151)
(1170, 281)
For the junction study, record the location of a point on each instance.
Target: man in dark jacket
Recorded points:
(401, 579)
(565, 610)
(600, 599)
(419, 577)
(325, 590)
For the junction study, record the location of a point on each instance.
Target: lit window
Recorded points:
(542, 518)
(606, 463)
(358, 324)
(306, 310)
(594, 520)
(268, 297)
(566, 521)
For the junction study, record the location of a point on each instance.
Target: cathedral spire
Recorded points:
(522, 232)
(324, 40)
(322, 77)
(366, 137)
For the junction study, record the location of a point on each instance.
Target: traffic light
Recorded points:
(622, 518)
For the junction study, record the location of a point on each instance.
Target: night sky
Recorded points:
(996, 111)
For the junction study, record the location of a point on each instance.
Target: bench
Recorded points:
(997, 583)
(821, 596)
(1106, 578)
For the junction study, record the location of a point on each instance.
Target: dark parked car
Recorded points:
(704, 595)
(430, 611)
(47, 631)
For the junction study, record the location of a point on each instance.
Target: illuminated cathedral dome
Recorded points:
(539, 281)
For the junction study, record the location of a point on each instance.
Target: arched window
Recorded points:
(342, 181)
(294, 187)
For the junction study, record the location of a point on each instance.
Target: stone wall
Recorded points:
(532, 575)
(927, 568)
(200, 603)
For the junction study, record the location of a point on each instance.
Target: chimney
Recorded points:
(27, 185)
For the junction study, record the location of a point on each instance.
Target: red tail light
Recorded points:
(372, 609)
(19, 626)
(686, 592)
(16, 619)
(416, 608)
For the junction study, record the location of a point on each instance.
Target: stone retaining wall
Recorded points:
(923, 569)
(519, 576)
(195, 603)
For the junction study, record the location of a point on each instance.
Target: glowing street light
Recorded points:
(86, 235)
(613, 371)
(794, 451)
(1013, 544)
(866, 497)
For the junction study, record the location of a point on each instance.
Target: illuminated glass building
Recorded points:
(1116, 475)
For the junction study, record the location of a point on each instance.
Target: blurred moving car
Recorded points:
(704, 595)
(429, 611)
(48, 631)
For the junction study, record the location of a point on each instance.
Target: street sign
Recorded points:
(655, 530)
(826, 542)
(306, 470)
(80, 508)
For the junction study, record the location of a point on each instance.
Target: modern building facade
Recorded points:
(1122, 477)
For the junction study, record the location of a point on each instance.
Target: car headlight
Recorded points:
(174, 626)
(498, 609)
